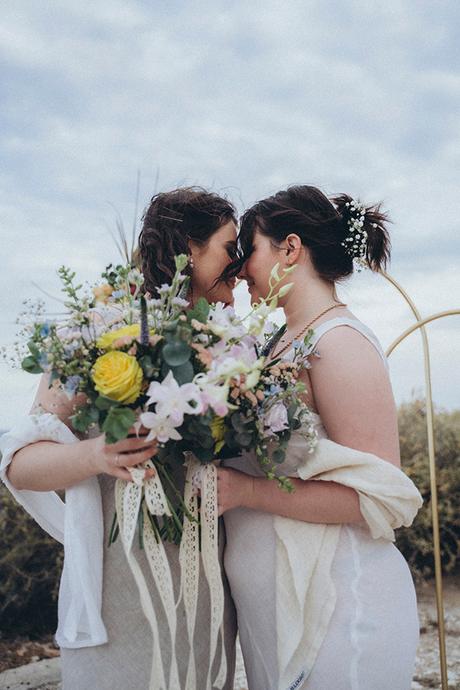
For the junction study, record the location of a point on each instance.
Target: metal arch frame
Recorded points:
(420, 325)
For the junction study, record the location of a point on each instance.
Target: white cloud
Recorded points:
(248, 98)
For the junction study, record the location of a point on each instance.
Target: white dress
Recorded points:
(372, 637)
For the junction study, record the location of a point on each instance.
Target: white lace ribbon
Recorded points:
(128, 502)
(189, 559)
(128, 497)
(211, 566)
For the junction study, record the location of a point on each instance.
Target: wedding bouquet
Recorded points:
(192, 376)
(195, 378)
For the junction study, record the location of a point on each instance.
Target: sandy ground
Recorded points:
(44, 674)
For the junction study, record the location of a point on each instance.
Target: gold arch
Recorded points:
(420, 325)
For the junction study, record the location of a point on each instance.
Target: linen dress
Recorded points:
(372, 637)
(124, 663)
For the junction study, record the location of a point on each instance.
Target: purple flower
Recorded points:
(276, 418)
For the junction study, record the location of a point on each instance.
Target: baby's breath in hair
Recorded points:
(356, 243)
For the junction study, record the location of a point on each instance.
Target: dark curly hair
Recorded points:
(171, 220)
(321, 224)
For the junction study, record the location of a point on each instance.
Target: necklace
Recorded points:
(289, 343)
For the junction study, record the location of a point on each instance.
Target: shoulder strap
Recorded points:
(352, 323)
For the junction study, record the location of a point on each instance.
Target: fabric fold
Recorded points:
(77, 523)
(305, 551)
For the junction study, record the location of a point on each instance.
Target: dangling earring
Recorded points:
(191, 264)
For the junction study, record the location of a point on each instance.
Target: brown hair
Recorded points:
(321, 224)
(171, 220)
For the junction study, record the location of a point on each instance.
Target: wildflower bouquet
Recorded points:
(192, 376)
(195, 378)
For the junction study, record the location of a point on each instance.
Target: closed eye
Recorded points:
(232, 250)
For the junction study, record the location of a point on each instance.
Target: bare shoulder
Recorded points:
(352, 391)
(346, 346)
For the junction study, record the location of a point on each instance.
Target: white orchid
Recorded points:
(212, 395)
(223, 322)
(173, 401)
(160, 427)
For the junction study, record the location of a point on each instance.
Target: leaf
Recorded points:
(244, 439)
(84, 418)
(147, 366)
(203, 454)
(31, 365)
(176, 353)
(279, 455)
(33, 349)
(239, 422)
(118, 422)
(200, 311)
(104, 403)
(184, 373)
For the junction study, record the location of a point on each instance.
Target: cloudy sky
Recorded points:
(245, 98)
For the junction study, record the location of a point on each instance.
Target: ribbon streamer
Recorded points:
(128, 497)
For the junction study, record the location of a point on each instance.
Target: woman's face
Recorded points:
(209, 260)
(256, 270)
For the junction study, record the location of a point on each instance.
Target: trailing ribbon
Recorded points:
(128, 497)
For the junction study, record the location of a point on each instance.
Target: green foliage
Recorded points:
(30, 567)
(416, 542)
(117, 423)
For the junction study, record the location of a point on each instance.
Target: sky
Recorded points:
(243, 98)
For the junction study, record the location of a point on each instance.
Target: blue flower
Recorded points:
(43, 360)
(45, 330)
(71, 385)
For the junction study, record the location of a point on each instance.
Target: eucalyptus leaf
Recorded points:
(176, 353)
(279, 455)
(117, 423)
(183, 373)
(31, 365)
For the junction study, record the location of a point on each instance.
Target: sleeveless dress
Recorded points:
(373, 633)
(125, 661)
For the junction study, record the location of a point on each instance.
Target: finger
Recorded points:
(147, 451)
(127, 445)
(121, 473)
(141, 431)
(132, 459)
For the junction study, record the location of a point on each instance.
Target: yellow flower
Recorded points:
(118, 376)
(218, 432)
(102, 292)
(106, 341)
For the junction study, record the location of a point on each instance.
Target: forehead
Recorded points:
(227, 232)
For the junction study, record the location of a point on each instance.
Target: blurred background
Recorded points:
(242, 98)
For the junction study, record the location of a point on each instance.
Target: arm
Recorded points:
(352, 393)
(49, 466)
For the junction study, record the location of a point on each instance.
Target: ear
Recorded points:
(293, 245)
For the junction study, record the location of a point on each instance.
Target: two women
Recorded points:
(311, 550)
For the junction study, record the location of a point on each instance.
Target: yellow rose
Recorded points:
(218, 432)
(106, 341)
(118, 376)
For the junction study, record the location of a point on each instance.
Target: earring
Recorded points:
(191, 264)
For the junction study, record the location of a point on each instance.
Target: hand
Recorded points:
(114, 458)
(234, 489)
